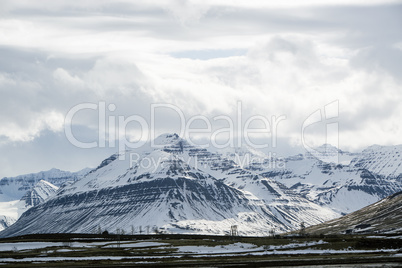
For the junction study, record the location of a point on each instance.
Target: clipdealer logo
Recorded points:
(112, 129)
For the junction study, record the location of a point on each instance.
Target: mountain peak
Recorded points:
(43, 183)
(324, 152)
(331, 154)
(327, 148)
(167, 138)
(53, 169)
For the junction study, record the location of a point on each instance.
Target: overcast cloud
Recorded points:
(290, 58)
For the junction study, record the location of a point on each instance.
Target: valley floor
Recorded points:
(72, 250)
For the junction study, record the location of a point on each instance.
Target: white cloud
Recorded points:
(187, 11)
(293, 61)
(296, 3)
(65, 77)
(37, 123)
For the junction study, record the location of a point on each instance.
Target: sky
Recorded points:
(117, 73)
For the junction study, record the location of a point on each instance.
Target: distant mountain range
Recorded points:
(17, 194)
(183, 188)
(355, 182)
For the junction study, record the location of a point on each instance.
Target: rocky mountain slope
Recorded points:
(381, 217)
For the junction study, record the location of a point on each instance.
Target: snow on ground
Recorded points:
(105, 244)
(298, 252)
(137, 245)
(242, 247)
(385, 237)
(68, 250)
(36, 245)
(28, 245)
(236, 247)
(89, 244)
(323, 251)
(298, 245)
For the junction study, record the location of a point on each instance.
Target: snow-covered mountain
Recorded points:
(12, 189)
(177, 188)
(367, 178)
(38, 194)
(10, 211)
(381, 160)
